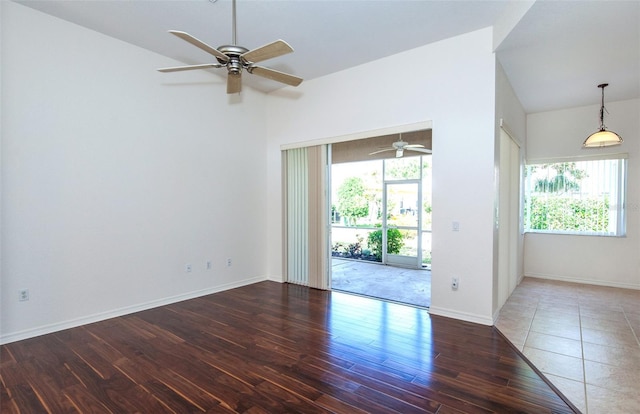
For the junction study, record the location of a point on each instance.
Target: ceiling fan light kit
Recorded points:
(236, 58)
(602, 137)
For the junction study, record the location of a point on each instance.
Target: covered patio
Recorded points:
(397, 284)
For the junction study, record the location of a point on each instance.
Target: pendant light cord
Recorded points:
(602, 110)
(602, 86)
(602, 137)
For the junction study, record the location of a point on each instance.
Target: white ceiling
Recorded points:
(554, 57)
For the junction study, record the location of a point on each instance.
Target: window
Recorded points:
(576, 196)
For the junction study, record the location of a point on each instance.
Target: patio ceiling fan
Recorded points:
(400, 146)
(236, 58)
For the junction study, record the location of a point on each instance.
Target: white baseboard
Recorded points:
(468, 317)
(97, 317)
(278, 279)
(584, 281)
(496, 314)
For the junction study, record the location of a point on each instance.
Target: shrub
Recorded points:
(338, 247)
(348, 250)
(426, 258)
(394, 242)
(354, 250)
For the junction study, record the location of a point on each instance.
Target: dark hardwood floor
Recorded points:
(273, 348)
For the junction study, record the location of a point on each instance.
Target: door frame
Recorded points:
(396, 259)
(509, 208)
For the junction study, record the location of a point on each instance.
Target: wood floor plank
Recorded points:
(375, 382)
(336, 405)
(274, 348)
(21, 395)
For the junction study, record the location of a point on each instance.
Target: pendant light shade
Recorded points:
(602, 137)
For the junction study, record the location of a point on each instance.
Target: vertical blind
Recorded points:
(576, 197)
(306, 250)
(297, 219)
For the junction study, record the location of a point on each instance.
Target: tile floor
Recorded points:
(584, 338)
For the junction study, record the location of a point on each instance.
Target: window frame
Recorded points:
(620, 202)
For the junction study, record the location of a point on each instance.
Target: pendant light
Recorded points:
(602, 137)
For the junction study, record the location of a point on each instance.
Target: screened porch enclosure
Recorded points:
(381, 221)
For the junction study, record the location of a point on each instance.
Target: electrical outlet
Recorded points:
(228, 262)
(23, 295)
(187, 268)
(454, 283)
(209, 264)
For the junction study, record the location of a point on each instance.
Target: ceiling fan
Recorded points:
(236, 58)
(400, 146)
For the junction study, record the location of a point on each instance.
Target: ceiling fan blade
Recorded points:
(423, 150)
(384, 150)
(414, 146)
(190, 67)
(269, 51)
(234, 83)
(399, 152)
(275, 75)
(200, 44)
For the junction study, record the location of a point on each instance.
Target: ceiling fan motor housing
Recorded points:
(235, 63)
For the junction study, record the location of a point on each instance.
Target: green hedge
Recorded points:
(567, 214)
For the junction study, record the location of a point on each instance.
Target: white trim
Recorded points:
(496, 314)
(505, 128)
(360, 135)
(615, 184)
(464, 316)
(279, 279)
(97, 317)
(328, 219)
(577, 158)
(583, 281)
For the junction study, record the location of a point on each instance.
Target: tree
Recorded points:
(405, 168)
(352, 199)
(567, 178)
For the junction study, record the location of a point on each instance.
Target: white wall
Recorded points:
(610, 261)
(1, 181)
(115, 176)
(451, 83)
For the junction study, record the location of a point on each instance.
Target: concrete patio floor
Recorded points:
(410, 286)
